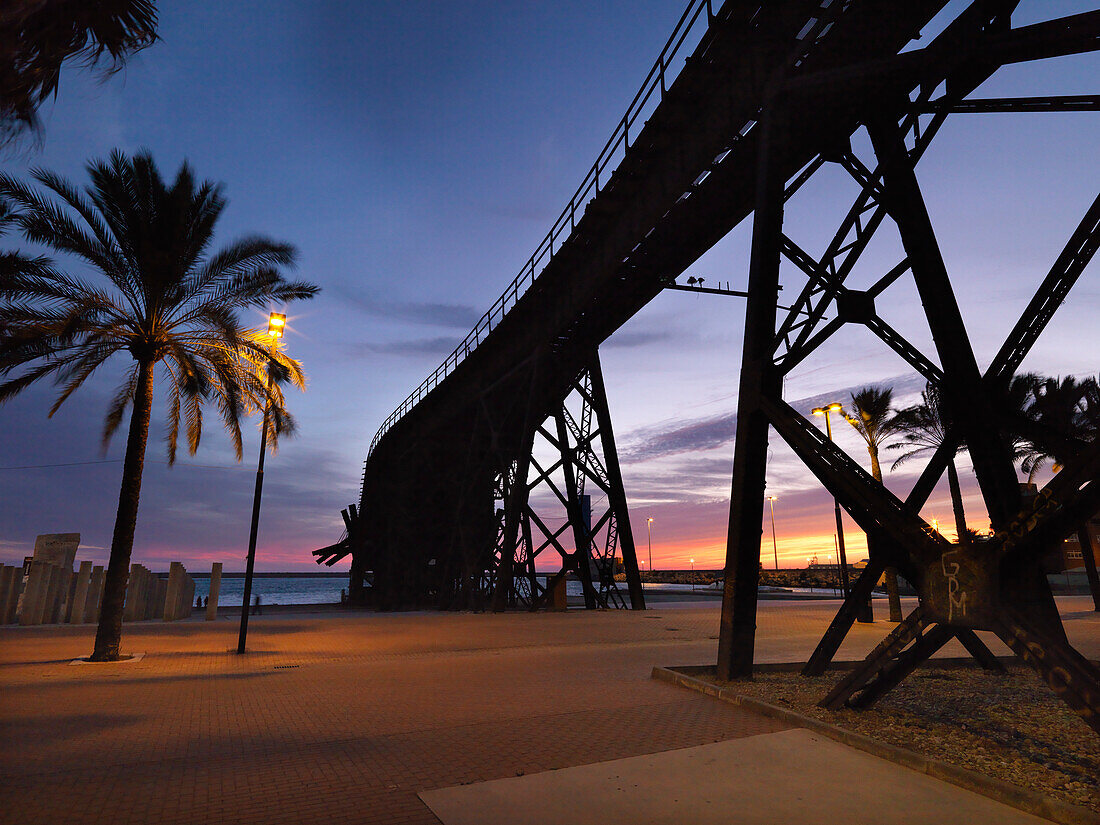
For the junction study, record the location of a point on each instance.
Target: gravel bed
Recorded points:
(1011, 727)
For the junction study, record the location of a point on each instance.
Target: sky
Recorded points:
(416, 153)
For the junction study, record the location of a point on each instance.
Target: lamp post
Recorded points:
(836, 406)
(276, 325)
(775, 549)
(649, 534)
(693, 574)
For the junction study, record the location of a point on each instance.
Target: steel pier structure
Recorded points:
(771, 93)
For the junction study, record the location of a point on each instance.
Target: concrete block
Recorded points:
(188, 600)
(159, 597)
(70, 595)
(53, 594)
(8, 595)
(139, 593)
(79, 603)
(151, 587)
(64, 584)
(58, 549)
(95, 594)
(215, 589)
(14, 594)
(34, 594)
(175, 587)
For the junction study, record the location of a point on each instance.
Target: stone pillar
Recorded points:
(188, 594)
(34, 594)
(215, 589)
(53, 596)
(176, 588)
(139, 594)
(14, 594)
(58, 549)
(70, 594)
(95, 594)
(152, 587)
(159, 598)
(8, 594)
(80, 593)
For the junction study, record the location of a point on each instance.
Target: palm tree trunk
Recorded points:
(957, 502)
(109, 633)
(893, 596)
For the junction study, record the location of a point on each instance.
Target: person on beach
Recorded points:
(256, 609)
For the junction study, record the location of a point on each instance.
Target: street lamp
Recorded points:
(836, 406)
(775, 549)
(649, 533)
(692, 574)
(276, 326)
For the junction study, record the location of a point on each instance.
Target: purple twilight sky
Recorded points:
(416, 153)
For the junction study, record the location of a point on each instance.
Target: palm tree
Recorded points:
(873, 418)
(166, 302)
(1066, 415)
(37, 36)
(924, 429)
(1062, 417)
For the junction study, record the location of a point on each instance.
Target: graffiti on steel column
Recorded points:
(956, 595)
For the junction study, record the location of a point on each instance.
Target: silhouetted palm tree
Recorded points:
(1063, 416)
(37, 36)
(1066, 415)
(165, 301)
(872, 417)
(924, 429)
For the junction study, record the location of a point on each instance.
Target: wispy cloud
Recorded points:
(429, 313)
(698, 435)
(638, 338)
(701, 434)
(440, 345)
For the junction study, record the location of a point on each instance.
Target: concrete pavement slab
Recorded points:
(790, 776)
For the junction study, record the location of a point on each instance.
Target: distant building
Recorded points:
(1072, 556)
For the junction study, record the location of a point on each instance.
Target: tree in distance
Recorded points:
(872, 417)
(164, 300)
(924, 427)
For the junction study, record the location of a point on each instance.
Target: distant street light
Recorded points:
(649, 533)
(775, 550)
(693, 574)
(836, 406)
(276, 326)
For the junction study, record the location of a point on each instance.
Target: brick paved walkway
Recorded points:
(346, 718)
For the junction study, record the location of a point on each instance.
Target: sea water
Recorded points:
(292, 589)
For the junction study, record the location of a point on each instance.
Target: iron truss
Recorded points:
(994, 585)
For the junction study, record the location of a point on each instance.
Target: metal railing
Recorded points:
(617, 144)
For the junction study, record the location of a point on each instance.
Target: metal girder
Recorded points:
(874, 508)
(1052, 103)
(759, 378)
(962, 388)
(1075, 256)
(576, 438)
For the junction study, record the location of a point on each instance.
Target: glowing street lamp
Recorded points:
(775, 550)
(276, 326)
(692, 574)
(836, 406)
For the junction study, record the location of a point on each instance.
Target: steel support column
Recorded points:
(616, 493)
(737, 635)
